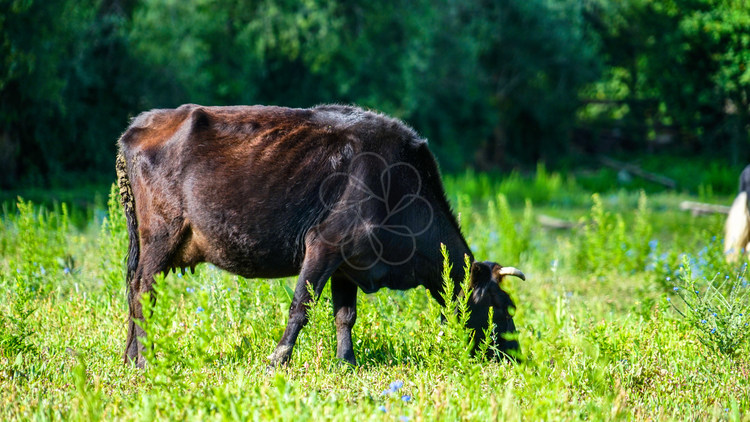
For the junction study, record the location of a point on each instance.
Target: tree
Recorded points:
(684, 65)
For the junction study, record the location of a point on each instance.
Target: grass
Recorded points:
(602, 330)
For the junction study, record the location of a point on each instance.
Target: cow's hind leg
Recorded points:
(317, 267)
(344, 294)
(156, 257)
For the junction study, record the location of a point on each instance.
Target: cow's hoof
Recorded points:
(280, 356)
(352, 363)
(138, 361)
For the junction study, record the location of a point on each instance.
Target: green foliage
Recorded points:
(513, 238)
(38, 247)
(541, 187)
(34, 247)
(607, 243)
(113, 237)
(678, 69)
(15, 329)
(602, 245)
(491, 84)
(457, 313)
(639, 242)
(69, 82)
(718, 309)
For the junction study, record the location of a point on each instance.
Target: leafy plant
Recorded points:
(718, 309)
(15, 329)
(512, 237)
(113, 237)
(606, 241)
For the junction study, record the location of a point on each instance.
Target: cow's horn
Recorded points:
(512, 271)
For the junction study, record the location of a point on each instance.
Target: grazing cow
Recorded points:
(329, 192)
(737, 229)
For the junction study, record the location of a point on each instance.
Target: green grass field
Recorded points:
(632, 314)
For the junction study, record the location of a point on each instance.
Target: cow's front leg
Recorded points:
(344, 294)
(315, 273)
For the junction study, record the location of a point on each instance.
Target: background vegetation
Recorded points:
(492, 84)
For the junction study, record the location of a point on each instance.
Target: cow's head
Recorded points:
(487, 292)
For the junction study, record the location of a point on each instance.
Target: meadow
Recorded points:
(632, 313)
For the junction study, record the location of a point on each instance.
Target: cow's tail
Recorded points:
(128, 204)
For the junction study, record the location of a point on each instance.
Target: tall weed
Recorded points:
(113, 238)
(717, 308)
(606, 243)
(40, 240)
(38, 254)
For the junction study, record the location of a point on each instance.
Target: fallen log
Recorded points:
(632, 168)
(554, 223)
(699, 208)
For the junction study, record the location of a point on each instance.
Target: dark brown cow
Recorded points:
(329, 192)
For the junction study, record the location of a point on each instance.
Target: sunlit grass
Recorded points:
(599, 336)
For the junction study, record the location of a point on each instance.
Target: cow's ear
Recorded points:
(496, 273)
(200, 119)
(479, 272)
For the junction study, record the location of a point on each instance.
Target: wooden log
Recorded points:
(554, 223)
(698, 208)
(632, 168)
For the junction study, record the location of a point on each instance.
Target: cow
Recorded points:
(737, 227)
(327, 192)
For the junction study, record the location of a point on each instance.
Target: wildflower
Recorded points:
(406, 398)
(404, 418)
(703, 321)
(669, 299)
(382, 408)
(669, 278)
(200, 309)
(66, 270)
(179, 275)
(714, 314)
(190, 290)
(395, 385)
(713, 330)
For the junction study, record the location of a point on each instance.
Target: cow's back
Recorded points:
(241, 186)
